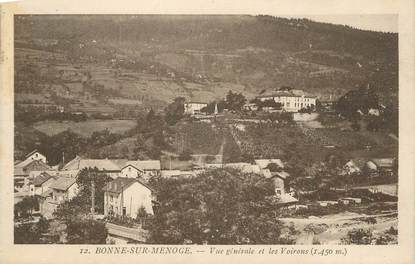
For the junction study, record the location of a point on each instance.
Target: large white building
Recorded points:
(192, 108)
(125, 196)
(290, 100)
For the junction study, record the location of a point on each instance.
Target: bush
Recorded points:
(358, 237)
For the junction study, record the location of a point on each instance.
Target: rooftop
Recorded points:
(41, 178)
(63, 183)
(121, 183)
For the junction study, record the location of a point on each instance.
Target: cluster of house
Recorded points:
(129, 190)
(376, 167)
(284, 99)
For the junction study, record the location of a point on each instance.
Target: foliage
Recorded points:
(361, 99)
(86, 232)
(235, 101)
(175, 111)
(31, 233)
(85, 179)
(217, 207)
(25, 207)
(358, 237)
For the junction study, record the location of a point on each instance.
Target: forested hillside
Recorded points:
(203, 55)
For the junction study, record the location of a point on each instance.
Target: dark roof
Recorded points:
(41, 178)
(122, 183)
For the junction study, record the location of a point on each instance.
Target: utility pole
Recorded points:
(93, 198)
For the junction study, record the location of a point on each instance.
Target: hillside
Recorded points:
(148, 60)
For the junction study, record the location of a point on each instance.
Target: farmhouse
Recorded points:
(125, 196)
(41, 183)
(111, 167)
(382, 167)
(192, 108)
(64, 189)
(24, 168)
(290, 100)
(353, 167)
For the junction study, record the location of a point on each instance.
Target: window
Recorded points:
(111, 198)
(278, 191)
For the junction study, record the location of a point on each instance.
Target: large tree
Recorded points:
(235, 101)
(218, 207)
(175, 110)
(85, 180)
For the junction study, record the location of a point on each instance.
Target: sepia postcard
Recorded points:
(187, 132)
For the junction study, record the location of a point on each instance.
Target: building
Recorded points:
(354, 167)
(130, 170)
(382, 167)
(63, 189)
(141, 168)
(36, 155)
(290, 100)
(23, 169)
(110, 167)
(193, 108)
(41, 183)
(125, 196)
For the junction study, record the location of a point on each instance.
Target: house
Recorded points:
(125, 196)
(41, 183)
(354, 166)
(192, 108)
(141, 168)
(291, 100)
(110, 167)
(382, 167)
(24, 168)
(36, 155)
(130, 170)
(63, 189)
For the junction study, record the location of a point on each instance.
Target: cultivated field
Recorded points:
(85, 128)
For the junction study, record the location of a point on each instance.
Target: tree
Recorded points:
(86, 232)
(358, 237)
(84, 181)
(31, 233)
(221, 206)
(25, 207)
(175, 111)
(235, 101)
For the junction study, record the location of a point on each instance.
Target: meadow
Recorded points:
(85, 128)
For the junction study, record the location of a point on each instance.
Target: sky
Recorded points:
(376, 22)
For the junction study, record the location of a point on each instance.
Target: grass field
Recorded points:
(85, 128)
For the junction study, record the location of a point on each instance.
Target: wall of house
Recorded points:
(132, 199)
(38, 190)
(292, 103)
(130, 172)
(72, 191)
(279, 186)
(112, 202)
(136, 196)
(37, 156)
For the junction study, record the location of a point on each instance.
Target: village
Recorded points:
(328, 197)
